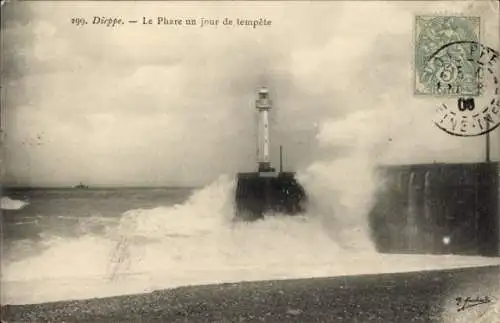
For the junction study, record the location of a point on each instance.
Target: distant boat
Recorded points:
(81, 185)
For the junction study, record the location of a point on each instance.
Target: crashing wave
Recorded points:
(7, 203)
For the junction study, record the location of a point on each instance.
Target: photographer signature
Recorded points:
(468, 302)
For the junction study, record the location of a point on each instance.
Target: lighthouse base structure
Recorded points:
(270, 193)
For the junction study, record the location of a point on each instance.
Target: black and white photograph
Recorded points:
(250, 161)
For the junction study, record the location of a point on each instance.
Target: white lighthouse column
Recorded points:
(263, 105)
(265, 123)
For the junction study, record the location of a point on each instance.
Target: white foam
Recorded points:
(183, 274)
(6, 203)
(197, 243)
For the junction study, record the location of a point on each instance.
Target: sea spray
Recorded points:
(342, 187)
(7, 203)
(196, 241)
(199, 235)
(148, 250)
(341, 200)
(206, 210)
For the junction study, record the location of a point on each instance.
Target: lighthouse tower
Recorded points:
(263, 105)
(267, 191)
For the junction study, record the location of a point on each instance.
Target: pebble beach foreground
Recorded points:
(425, 296)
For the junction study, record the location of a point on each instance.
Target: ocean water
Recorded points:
(63, 244)
(60, 244)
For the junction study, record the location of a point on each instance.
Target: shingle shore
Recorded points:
(402, 297)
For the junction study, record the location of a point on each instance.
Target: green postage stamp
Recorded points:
(436, 71)
(453, 66)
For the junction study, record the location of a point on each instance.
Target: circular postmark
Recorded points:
(470, 70)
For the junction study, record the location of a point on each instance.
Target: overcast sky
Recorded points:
(164, 105)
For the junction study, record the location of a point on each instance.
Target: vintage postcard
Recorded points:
(247, 161)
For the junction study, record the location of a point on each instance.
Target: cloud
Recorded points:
(163, 105)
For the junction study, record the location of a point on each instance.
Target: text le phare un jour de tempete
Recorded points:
(177, 21)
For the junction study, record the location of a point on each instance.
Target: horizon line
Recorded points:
(89, 187)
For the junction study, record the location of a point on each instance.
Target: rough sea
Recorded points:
(61, 244)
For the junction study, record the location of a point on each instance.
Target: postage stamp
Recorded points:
(443, 77)
(453, 67)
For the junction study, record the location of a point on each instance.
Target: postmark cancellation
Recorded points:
(458, 74)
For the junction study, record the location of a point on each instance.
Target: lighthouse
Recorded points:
(263, 105)
(267, 191)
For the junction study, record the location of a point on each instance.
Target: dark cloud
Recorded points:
(15, 14)
(163, 106)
